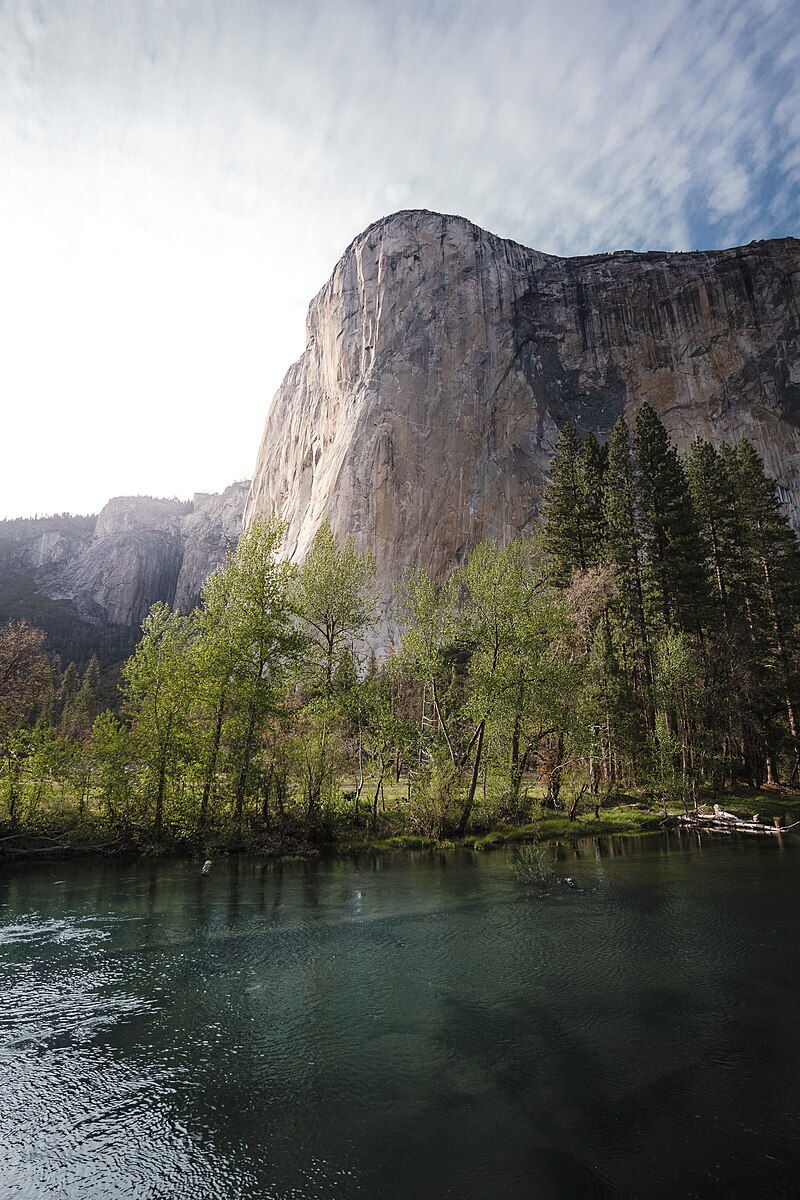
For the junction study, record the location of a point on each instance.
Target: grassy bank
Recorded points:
(624, 817)
(90, 832)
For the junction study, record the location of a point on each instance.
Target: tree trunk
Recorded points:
(554, 775)
(465, 815)
(212, 763)
(265, 818)
(572, 811)
(783, 658)
(160, 792)
(376, 797)
(241, 782)
(13, 818)
(442, 725)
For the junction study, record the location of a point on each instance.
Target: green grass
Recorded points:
(623, 820)
(769, 803)
(90, 831)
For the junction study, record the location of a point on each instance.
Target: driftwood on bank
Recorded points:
(722, 822)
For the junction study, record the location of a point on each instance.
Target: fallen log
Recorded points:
(727, 823)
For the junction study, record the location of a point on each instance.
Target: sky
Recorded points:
(178, 178)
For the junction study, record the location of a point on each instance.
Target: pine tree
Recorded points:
(674, 572)
(567, 537)
(81, 708)
(623, 554)
(594, 461)
(68, 690)
(715, 513)
(770, 579)
(732, 685)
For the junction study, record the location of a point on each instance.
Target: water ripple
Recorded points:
(424, 1029)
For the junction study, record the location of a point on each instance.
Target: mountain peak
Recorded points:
(442, 362)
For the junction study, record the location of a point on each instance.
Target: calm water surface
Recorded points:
(404, 1027)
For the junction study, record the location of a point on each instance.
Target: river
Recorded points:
(405, 1026)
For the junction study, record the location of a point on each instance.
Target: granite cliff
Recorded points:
(90, 581)
(441, 362)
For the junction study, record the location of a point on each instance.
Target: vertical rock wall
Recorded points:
(441, 362)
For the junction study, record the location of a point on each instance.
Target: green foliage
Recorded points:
(645, 641)
(156, 683)
(574, 522)
(336, 602)
(674, 573)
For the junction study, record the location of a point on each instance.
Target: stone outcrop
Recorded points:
(441, 362)
(144, 549)
(108, 570)
(132, 560)
(214, 523)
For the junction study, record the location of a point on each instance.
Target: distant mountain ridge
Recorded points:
(90, 581)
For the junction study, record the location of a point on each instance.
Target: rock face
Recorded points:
(132, 560)
(108, 570)
(214, 523)
(441, 362)
(145, 550)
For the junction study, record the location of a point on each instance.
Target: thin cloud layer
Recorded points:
(180, 178)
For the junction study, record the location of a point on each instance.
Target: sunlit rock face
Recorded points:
(137, 551)
(144, 550)
(214, 524)
(442, 361)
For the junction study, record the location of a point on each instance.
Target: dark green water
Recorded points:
(413, 1027)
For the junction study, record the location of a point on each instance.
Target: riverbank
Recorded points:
(629, 817)
(93, 836)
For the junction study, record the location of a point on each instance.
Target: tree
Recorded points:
(80, 704)
(710, 488)
(111, 750)
(572, 506)
(674, 574)
(510, 618)
(157, 692)
(769, 579)
(25, 673)
(429, 645)
(491, 628)
(251, 642)
(386, 734)
(630, 646)
(335, 600)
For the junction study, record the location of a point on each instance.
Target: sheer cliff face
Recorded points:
(144, 550)
(138, 550)
(442, 361)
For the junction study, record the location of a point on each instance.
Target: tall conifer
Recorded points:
(566, 536)
(770, 578)
(594, 462)
(621, 534)
(673, 567)
(715, 512)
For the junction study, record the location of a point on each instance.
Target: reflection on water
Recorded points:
(404, 1027)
